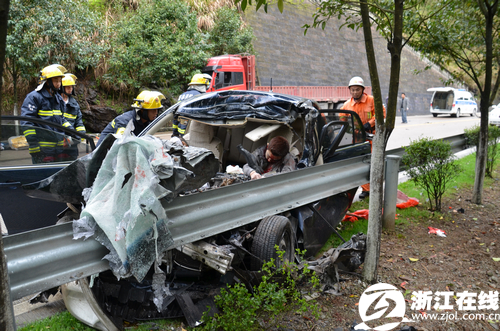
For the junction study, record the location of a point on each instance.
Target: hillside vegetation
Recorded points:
(119, 46)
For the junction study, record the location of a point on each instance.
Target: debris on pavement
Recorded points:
(439, 232)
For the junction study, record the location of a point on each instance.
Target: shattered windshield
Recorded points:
(237, 105)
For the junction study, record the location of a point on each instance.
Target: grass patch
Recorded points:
(417, 214)
(60, 322)
(66, 322)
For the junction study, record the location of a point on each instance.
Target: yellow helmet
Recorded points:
(54, 70)
(200, 79)
(148, 100)
(69, 80)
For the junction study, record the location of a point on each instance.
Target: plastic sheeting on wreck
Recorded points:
(238, 105)
(123, 209)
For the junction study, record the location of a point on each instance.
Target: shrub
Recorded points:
(158, 45)
(276, 293)
(431, 165)
(472, 137)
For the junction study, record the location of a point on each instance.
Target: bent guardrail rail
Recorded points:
(41, 259)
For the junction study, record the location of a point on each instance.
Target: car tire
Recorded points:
(457, 115)
(434, 115)
(273, 230)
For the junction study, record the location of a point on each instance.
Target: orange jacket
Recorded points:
(365, 108)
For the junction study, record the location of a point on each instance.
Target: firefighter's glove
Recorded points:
(367, 126)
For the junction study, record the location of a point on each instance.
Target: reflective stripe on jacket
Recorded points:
(118, 125)
(43, 138)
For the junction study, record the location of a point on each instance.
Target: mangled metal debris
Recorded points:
(346, 257)
(124, 201)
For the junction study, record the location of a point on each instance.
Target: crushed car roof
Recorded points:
(238, 105)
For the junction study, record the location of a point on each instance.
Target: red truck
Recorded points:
(237, 72)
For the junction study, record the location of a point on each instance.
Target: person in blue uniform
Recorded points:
(146, 108)
(72, 114)
(45, 142)
(198, 85)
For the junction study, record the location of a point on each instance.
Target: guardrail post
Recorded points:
(7, 321)
(390, 191)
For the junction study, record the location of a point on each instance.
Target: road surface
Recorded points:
(428, 126)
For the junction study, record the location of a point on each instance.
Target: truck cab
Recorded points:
(231, 72)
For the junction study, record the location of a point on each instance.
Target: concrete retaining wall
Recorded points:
(331, 56)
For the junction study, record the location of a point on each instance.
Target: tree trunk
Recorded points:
(383, 131)
(6, 312)
(489, 12)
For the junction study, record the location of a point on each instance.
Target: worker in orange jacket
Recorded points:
(363, 105)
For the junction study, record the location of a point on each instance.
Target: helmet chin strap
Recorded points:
(63, 90)
(360, 96)
(143, 114)
(51, 86)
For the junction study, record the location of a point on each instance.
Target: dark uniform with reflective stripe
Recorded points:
(45, 142)
(73, 114)
(118, 125)
(179, 127)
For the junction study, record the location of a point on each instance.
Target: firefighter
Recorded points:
(146, 107)
(364, 105)
(45, 142)
(198, 85)
(71, 112)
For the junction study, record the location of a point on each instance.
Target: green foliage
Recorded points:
(431, 165)
(46, 32)
(157, 45)
(472, 136)
(276, 293)
(461, 38)
(59, 322)
(98, 5)
(229, 35)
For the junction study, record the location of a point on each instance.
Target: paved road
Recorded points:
(428, 126)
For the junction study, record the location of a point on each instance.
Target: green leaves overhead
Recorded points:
(456, 38)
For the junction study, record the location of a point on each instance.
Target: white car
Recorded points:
(494, 116)
(452, 101)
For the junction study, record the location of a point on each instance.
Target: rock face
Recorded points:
(97, 117)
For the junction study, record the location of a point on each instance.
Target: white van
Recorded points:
(452, 101)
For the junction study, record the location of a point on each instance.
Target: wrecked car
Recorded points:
(182, 279)
(18, 211)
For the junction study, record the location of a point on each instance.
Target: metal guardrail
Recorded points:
(41, 259)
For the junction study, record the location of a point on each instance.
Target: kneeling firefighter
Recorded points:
(146, 107)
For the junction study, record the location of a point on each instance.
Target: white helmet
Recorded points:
(358, 81)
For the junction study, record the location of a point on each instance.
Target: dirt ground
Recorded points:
(413, 260)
